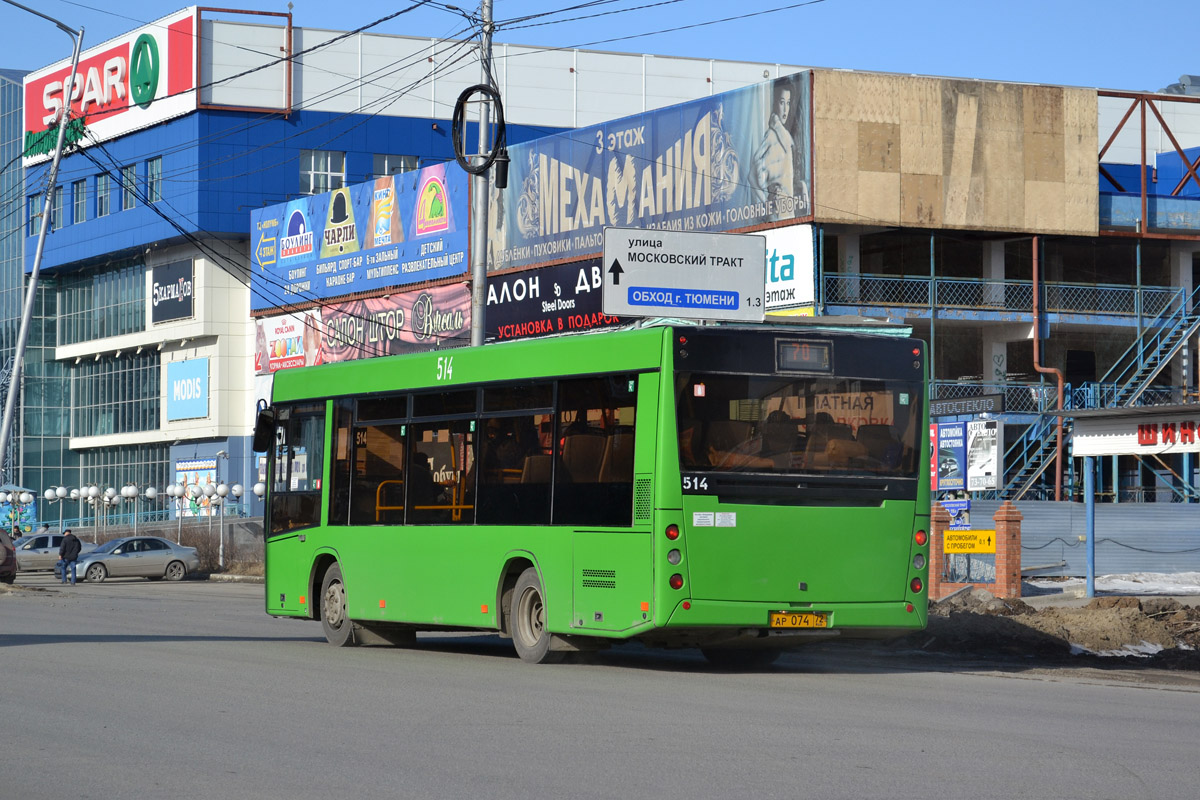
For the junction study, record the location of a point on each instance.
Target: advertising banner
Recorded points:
(560, 299)
(171, 294)
(983, 454)
(791, 267)
(410, 322)
(187, 389)
(951, 456)
(195, 472)
(128, 83)
(388, 232)
(724, 162)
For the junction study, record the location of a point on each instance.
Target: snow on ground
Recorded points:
(1134, 583)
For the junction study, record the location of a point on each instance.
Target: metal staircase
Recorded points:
(1032, 454)
(1123, 385)
(1126, 383)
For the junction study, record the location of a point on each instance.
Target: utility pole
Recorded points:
(14, 384)
(479, 189)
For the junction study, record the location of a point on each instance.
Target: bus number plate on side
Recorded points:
(798, 619)
(695, 484)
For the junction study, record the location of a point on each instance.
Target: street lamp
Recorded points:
(14, 379)
(222, 492)
(56, 494)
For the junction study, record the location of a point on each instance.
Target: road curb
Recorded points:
(221, 577)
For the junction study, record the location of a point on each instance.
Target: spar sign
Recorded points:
(137, 80)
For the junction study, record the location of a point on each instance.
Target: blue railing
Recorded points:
(1164, 336)
(982, 294)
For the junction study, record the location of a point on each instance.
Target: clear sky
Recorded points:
(1102, 43)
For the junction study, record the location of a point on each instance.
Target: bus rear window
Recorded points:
(750, 423)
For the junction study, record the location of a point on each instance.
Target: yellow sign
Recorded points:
(969, 542)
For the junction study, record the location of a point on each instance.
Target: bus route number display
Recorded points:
(802, 356)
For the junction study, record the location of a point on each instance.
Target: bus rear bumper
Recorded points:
(716, 620)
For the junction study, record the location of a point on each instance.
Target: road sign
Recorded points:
(960, 514)
(651, 273)
(969, 542)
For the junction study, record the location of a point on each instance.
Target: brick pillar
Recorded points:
(939, 520)
(1008, 551)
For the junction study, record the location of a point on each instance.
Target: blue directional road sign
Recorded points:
(651, 273)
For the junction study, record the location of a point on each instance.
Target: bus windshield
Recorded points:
(795, 425)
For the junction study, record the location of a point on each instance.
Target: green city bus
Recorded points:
(736, 489)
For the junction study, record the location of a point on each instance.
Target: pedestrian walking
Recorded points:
(68, 551)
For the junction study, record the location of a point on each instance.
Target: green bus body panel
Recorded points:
(856, 563)
(839, 554)
(623, 351)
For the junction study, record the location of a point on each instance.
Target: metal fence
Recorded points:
(1130, 537)
(992, 295)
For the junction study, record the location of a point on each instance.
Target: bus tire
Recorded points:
(339, 630)
(529, 634)
(734, 659)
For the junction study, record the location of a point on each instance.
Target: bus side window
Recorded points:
(593, 482)
(339, 503)
(441, 465)
(377, 489)
(298, 465)
(514, 472)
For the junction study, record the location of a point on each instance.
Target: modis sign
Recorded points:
(140, 79)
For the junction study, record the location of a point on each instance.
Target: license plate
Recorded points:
(798, 619)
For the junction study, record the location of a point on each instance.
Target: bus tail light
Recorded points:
(919, 561)
(676, 581)
(916, 585)
(921, 538)
(672, 532)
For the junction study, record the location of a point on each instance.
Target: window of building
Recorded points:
(393, 165)
(154, 180)
(321, 171)
(103, 195)
(116, 395)
(102, 302)
(79, 200)
(56, 209)
(128, 187)
(35, 215)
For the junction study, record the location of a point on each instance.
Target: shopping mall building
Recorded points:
(140, 362)
(256, 214)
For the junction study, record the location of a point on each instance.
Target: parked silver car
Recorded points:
(137, 557)
(40, 551)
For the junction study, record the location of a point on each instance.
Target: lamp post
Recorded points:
(109, 500)
(222, 492)
(130, 492)
(14, 383)
(93, 499)
(56, 494)
(176, 492)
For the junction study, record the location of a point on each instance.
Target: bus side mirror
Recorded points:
(264, 429)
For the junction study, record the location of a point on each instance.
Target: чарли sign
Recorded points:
(171, 294)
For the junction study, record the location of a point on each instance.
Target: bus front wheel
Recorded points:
(339, 630)
(529, 634)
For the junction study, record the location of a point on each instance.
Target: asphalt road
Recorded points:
(132, 689)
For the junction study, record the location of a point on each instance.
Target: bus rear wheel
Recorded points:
(339, 630)
(529, 634)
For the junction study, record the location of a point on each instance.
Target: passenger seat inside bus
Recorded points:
(879, 441)
(616, 466)
(582, 454)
